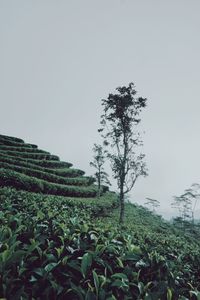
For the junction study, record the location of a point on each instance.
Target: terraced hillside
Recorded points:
(59, 241)
(25, 167)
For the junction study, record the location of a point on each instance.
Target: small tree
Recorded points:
(98, 163)
(186, 203)
(193, 194)
(119, 122)
(184, 206)
(153, 203)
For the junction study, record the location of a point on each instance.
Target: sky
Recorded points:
(59, 58)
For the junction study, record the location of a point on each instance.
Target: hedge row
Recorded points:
(38, 162)
(9, 142)
(65, 172)
(10, 138)
(83, 181)
(93, 206)
(31, 155)
(21, 149)
(14, 144)
(27, 183)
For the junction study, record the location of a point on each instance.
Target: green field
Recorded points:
(58, 240)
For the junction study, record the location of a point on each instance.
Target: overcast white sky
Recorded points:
(59, 58)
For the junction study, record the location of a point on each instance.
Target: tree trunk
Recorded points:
(121, 200)
(99, 185)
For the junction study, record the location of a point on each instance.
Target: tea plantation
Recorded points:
(59, 241)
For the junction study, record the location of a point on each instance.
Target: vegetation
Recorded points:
(38, 162)
(98, 163)
(61, 247)
(186, 205)
(152, 203)
(12, 141)
(67, 248)
(41, 172)
(64, 171)
(32, 155)
(27, 183)
(119, 121)
(48, 176)
(22, 149)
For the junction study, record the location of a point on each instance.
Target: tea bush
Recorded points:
(24, 182)
(24, 163)
(30, 155)
(58, 241)
(48, 176)
(53, 248)
(15, 144)
(10, 138)
(22, 149)
(37, 162)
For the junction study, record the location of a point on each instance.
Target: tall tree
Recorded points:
(98, 163)
(119, 130)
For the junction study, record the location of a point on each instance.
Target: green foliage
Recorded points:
(24, 182)
(37, 162)
(10, 141)
(30, 155)
(98, 163)
(35, 170)
(66, 171)
(119, 131)
(10, 138)
(22, 149)
(186, 205)
(52, 248)
(48, 176)
(58, 247)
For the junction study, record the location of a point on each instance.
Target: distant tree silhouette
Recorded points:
(153, 203)
(186, 204)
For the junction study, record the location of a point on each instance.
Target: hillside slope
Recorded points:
(58, 247)
(25, 167)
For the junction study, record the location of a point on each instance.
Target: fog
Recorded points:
(58, 59)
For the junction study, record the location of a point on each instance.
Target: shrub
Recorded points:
(10, 138)
(10, 142)
(65, 172)
(22, 149)
(32, 155)
(36, 162)
(24, 182)
(51, 248)
(85, 181)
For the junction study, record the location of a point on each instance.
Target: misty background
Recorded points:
(58, 59)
